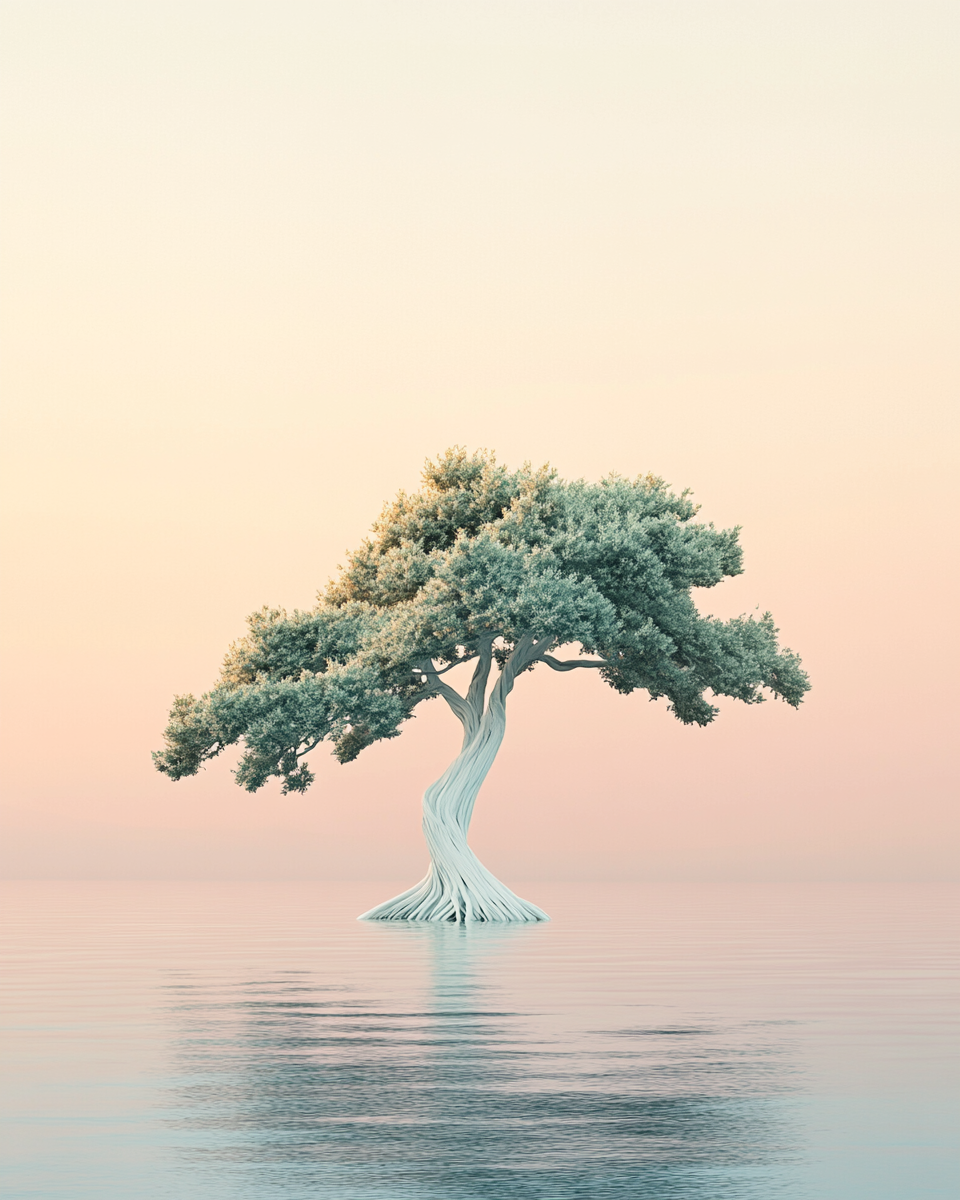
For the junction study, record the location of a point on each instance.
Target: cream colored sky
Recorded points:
(260, 259)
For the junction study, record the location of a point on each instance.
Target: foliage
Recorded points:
(476, 560)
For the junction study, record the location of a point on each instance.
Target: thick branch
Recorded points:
(436, 687)
(461, 709)
(570, 664)
(477, 691)
(469, 710)
(526, 651)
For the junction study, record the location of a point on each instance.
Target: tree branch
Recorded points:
(461, 709)
(313, 745)
(570, 664)
(526, 651)
(476, 693)
(435, 687)
(519, 656)
(432, 670)
(541, 647)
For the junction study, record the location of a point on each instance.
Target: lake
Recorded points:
(213, 1040)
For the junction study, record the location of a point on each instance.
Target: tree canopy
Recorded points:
(486, 561)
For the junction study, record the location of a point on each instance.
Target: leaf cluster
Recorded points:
(481, 556)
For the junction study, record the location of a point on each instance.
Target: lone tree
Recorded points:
(499, 568)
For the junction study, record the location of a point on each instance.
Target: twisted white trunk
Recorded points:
(458, 887)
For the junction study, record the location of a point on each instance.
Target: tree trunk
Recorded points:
(458, 887)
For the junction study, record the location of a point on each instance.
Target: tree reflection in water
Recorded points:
(291, 1086)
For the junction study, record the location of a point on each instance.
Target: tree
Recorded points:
(500, 569)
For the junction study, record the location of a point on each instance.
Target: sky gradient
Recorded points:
(261, 259)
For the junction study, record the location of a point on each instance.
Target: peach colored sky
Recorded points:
(262, 258)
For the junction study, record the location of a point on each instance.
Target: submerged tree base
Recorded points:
(442, 897)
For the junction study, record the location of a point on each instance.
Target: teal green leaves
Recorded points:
(737, 658)
(482, 556)
(280, 719)
(191, 739)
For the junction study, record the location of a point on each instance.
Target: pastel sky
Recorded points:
(262, 258)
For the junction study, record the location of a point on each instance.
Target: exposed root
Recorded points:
(448, 897)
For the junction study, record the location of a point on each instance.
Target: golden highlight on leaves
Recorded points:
(484, 556)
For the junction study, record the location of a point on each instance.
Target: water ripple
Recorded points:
(251, 1040)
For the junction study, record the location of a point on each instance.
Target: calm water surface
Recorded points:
(206, 1041)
